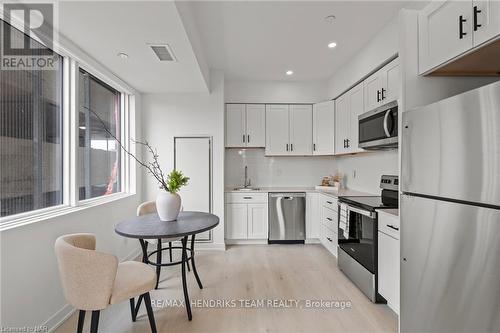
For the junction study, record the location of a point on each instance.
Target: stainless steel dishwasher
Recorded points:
(287, 216)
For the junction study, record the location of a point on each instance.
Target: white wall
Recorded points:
(183, 114)
(368, 167)
(275, 92)
(31, 292)
(275, 171)
(378, 50)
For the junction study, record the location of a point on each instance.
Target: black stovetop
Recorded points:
(369, 202)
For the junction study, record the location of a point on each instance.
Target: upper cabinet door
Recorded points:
(445, 31)
(356, 107)
(301, 130)
(373, 91)
(391, 80)
(341, 124)
(235, 125)
(256, 125)
(485, 20)
(277, 130)
(324, 128)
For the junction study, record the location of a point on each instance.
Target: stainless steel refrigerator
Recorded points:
(450, 215)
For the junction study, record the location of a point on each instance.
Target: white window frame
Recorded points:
(73, 60)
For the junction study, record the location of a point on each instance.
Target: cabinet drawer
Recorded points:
(329, 218)
(252, 197)
(329, 240)
(329, 202)
(388, 224)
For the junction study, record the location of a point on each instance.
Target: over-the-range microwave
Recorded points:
(378, 129)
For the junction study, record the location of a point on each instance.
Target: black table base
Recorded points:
(158, 264)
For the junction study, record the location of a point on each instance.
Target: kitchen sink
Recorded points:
(246, 189)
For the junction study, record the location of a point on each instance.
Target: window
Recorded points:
(31, 164)
(99, 127)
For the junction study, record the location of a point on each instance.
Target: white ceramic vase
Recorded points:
(168, 205)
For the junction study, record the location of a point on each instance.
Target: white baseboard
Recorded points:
(67, 310)
(210, 246)
(246, 241)
(312, 241)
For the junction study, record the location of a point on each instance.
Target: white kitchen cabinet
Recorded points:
(257, 221)
(448, 29)
(236, 217)
(356, 107)
(329, 222)
(235, 125)
(324, 128)
(312, 216)
(246, 216)
(342, 124)
(300, 130)
(487, 19)
(245, 125)
(288, 130)
(329, 239)
(388, 259)
(277, 130)
(256, 125)
(383, 86)
(348, 107)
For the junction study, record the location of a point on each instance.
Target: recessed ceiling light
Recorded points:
(332, 45)
(123, 55)
(289, 72)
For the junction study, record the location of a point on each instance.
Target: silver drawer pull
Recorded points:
(392, 227)
(329, 239)
(329, 219)
(247, 197)
(329, 202)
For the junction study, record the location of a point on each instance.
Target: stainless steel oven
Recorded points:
(378, 129)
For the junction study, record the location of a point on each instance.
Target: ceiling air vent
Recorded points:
(163, 52)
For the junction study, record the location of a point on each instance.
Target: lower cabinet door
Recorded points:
(257, 221)
(236, 221)
(388, 270)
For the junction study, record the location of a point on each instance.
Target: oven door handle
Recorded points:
(386, 127)
(362, 212)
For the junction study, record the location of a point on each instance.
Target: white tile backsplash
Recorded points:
(277, 170)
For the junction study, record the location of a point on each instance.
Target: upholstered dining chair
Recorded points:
(93, 280)
(149, 207)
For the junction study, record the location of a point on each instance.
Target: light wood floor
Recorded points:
(254, 272)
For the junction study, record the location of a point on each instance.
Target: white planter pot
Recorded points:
(168, 205)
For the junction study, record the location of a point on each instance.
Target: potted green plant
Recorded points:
(168, 201)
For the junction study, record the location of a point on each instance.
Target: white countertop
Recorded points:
(391, 211)
(340, 193)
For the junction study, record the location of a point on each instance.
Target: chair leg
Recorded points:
(132, 309)
(149, 309)
(158, 262)
(81, 320)
(95, 321)
(170, 250)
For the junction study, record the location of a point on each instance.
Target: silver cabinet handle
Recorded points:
(247, 197)
(291, 146)
(386, 129)
(392, 227)
(329, 239)
(329, 202)
(329, 219)
(248, 138)
(243, 138)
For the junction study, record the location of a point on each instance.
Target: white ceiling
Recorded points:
(261, 40)
(104, 28)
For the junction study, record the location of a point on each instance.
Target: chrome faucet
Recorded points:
(246, 182)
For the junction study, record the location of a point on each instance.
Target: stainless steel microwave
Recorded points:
(378, 129)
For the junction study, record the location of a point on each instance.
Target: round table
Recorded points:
(151, 227)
